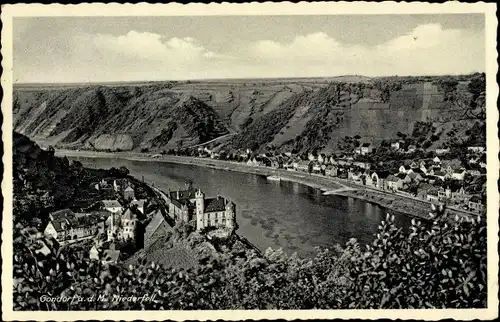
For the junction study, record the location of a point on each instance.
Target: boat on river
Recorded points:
(274, 178)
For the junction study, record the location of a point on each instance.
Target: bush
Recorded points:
(439, 265)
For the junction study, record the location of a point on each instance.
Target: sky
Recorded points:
(102, 49)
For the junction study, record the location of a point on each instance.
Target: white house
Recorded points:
(393, 183)
(129, 222)
(458, 174)
(366, 148)
(395, 145)
(405, 169)
(321, 158)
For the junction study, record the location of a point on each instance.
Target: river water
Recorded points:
(273, 214)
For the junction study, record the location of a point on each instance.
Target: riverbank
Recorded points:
(399, 203)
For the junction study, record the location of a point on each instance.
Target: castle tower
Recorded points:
(230, 215)
(200, 207)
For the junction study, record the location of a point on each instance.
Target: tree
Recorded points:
(124, 171)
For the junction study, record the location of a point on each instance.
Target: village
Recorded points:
(436, 176)
(115, 228)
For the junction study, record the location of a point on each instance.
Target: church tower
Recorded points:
(200, 207)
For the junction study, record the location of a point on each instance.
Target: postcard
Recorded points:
(250, 161)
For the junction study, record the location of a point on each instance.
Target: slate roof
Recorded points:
(111, 203)
(365, 145)
(68, 220)
(129, 215)
(155, 222)
(61, 214)
(183, 194)
(215, 204)
(392, 178)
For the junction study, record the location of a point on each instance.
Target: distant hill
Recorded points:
(285, 114)
(375, 111)
(115, 118)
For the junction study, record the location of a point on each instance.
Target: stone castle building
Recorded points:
(191, 205)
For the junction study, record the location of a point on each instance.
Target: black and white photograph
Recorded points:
(302, 160)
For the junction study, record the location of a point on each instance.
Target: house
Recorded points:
(450, 165)
(458, 194)
(129, 193)
(316, 168)
(378, 179)
(112, 206)
(366, 148)
(356, 176)
(423, 188)
(405, 169)
(444, 194)
(413, 177)
(331, 171)
(214, 212)
(414, 165)
(395, 146)
(303, 166)
(322, 158)
(104, 251)
(368, 178)
(67, 227)
(458, 174)
(191, 205)
(362, 165)
(311, 157)
(477, 204)
(129, 224)
(393, 183)
(442, 151)
(432, 195)
(440, 174)
(436, 160)
(255, 162)
(275, 163)
(139, 203)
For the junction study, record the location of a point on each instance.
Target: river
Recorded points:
(274, 214)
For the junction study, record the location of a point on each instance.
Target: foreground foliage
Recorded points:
(431, 266)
